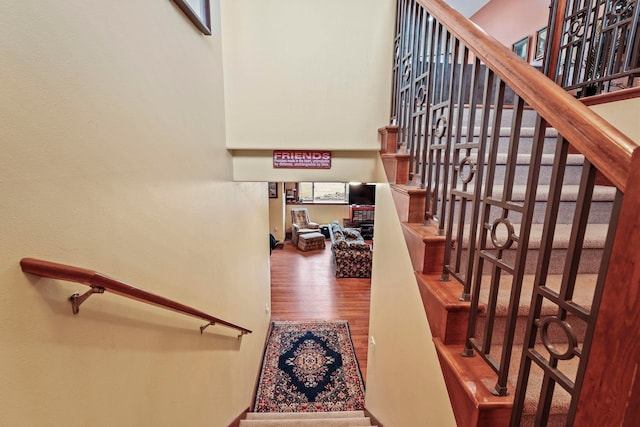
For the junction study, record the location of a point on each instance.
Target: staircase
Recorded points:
(306, 419)
(525, 249)
(469, 380)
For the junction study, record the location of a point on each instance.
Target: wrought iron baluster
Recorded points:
(454, 196)
(481, 194)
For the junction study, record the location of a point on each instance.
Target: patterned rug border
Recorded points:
(304, 322)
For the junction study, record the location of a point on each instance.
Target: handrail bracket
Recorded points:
(76, 299)
(205, 326)
(241, 334)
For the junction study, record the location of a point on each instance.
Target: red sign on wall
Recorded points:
(298, 159)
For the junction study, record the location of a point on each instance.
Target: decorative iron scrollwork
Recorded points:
(440, 127)
(622, 9)
(396, 52)
(498, 241)
(576, 26)
(553, 348)
(467, 170)
(421, 97)
(406, 70)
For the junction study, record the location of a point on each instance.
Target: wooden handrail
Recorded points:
(95, 280)
(601, 143)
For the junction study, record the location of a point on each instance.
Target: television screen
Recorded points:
(362, 194)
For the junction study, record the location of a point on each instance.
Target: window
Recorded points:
(323, 192)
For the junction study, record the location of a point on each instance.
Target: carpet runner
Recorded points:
(309, 367)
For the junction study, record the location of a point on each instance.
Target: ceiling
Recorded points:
(467, 7)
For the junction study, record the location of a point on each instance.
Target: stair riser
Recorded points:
(448, 317)
(472, 404)
(410, 206)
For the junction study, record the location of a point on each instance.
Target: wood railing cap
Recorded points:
(92, 278)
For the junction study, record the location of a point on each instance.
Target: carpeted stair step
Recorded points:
(448, 315)
(561, 399)
(589, 260)
(574, 161)
(600, 211)
(303, 415)
(319, 421)
(529, 116)
(523, 161)
(526, 138)
(583, 296)
(470, 383)
(602, 202)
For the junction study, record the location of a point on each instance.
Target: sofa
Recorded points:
(352, 255)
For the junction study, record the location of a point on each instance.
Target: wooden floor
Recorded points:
(304, 287)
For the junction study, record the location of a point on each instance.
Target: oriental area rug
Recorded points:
(309, 367)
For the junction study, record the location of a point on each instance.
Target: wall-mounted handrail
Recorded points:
(601, 143)
(100, 283)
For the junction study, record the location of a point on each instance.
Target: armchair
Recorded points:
(300, 224)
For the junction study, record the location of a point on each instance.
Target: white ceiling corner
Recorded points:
(467, 7)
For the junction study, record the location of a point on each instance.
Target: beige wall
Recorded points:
(623, 115)
(306, 73)
(405, 386)
(511, 20)
(346, 166)
(114, 158)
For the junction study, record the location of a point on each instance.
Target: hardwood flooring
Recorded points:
(304, 287)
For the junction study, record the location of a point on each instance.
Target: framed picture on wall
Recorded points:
(541, 41)
(198, 12)
(521, 48)
(273, 190)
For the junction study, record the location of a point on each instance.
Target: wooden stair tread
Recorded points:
(407, 189)
(469, 383)
(395, 155)
(446, 293)
(428, 233)
(448, 316)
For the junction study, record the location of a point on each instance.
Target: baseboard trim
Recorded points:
(242, 416)
(264, 349)
(374, 420)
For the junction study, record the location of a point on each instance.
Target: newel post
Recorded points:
(610, 394)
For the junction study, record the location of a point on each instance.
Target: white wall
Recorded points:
(114, 158)
(307, 74)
